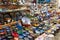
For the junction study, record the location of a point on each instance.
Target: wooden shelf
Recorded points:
(12, 8)
(9, 24)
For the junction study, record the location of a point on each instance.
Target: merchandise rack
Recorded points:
(12, 9)
(6, 9)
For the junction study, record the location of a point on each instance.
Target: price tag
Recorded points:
(0, 10)
(8, 20)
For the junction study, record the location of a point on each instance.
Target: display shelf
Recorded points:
(12, 8)
(9, 24)
(20, 20)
